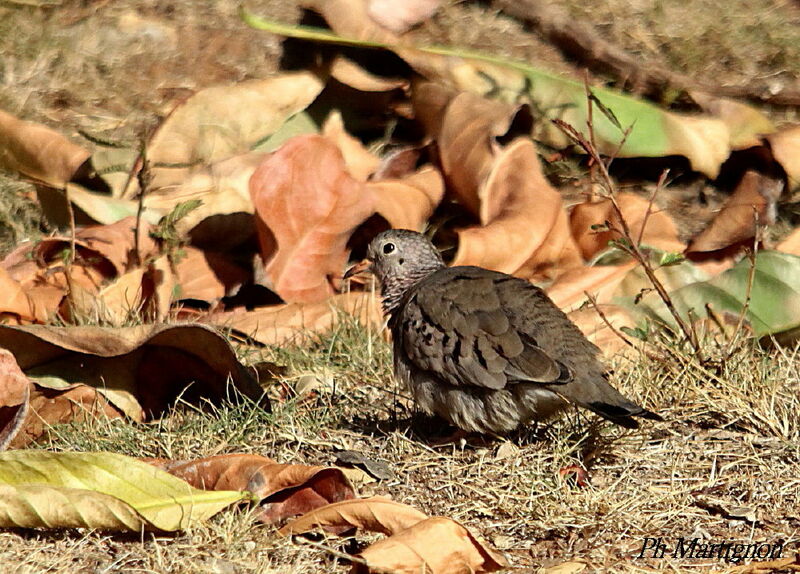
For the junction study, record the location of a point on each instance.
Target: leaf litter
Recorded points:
(263, 253)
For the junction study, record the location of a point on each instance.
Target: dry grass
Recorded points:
(721, 466)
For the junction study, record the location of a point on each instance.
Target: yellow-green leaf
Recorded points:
(40, 489)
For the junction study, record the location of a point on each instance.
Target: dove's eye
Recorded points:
(388, 248)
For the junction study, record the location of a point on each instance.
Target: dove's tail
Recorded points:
(610, 404)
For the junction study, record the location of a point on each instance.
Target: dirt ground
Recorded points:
(723, 466)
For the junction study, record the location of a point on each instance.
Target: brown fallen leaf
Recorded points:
(790, 243)
(467, 142)
(568, 290)
(401, 16)
(307, 206)
(525, 231)
(293, 322)
(207, 276)
(785, 145)
(598, 331)
(285, 490)
(754, 197)
(223, 121)
(376, 514)
(349, 18)
(408, 203)
(437, 545)
(351, 74)
(137, 370)
(361, 163)
(659, 228)
(48, 407)
(223, 189)
(38, 152)
(14, 300)
(109, 249)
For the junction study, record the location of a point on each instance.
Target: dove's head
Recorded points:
(400, 259)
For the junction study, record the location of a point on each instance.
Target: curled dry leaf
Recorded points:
(400, 16)
(568, 290)
(15, 390)
(746, 123)
(659, 228)
(408, 203)
(351, 74)
(38, 152)
(285, 490)
(137, 370)
(349, 18)
(292, 322)
(203, 129)
(526, 231)
(21, 305)
(376, 514)
(785, 145)
(754, 199)
(467, 141)
(222, 188)
(437, 545)
(360, 162)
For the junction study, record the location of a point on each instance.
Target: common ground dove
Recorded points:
(484, 350)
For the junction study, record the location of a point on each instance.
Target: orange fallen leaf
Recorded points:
(525, 231)
(785, 145)
(361, 163)
(791, 243)
(400, 16)
(467, 142)
(38, 152)
(568, 290)
(754, 198)
(376, 514)
(49, 407)
(293, 322)
(597, 330)
(286, 490)
(408, 203)
(437, 545)
(307, 206)
(207, 276)
(659, 228)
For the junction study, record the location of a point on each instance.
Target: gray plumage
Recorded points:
(484, 350)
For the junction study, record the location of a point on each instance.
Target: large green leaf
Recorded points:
(40, 489)
(774, 306)
(704, 140)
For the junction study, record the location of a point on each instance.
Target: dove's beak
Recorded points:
(358, 268)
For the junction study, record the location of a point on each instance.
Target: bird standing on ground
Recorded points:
(486, 351)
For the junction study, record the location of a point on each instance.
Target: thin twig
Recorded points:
(144, 176)
(593, 301)
(632, 248)
(661, 180)
(748, 290)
